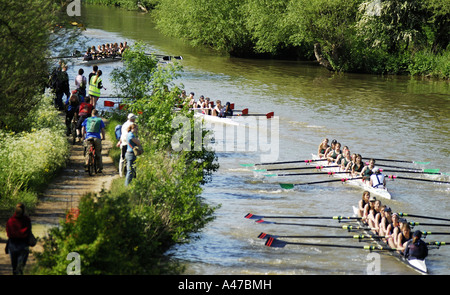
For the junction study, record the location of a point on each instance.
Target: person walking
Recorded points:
(123, 142)
(18, 230)
(130, 157)
(95, 86)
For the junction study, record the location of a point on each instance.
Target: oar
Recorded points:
(397, 167)
(296, 168)
(401, 214)
(284, 162)
(425, 171)
(165, 57)
(253, 216)
(347, 227)
(418, 179)
(245, 114)
(276, 243)
(356, 237)
(272, 242)
(291, 185)
(427, 233)
(307, 173)
(399, 161)
(413, 223)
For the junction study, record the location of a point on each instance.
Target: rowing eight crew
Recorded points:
(104, 51)
(351, 163)
(206, 105)
(392, 229)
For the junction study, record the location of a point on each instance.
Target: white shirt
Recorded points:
(123, 137)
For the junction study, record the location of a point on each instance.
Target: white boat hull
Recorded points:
(215, 119)
(382, 192)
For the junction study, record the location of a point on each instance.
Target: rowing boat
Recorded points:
(215, 119)
(416, 264)
(382, 192)
(102, 60)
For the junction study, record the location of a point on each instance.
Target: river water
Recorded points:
(376, 116)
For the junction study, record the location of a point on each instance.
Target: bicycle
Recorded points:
(92, 162)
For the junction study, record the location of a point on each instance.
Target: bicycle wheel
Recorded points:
(91, 162)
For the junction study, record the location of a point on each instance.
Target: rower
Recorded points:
(357, 166)
(341, 156)
(363, 202)
(374, 216)
(323, 146)
(416, 248)
(226, 111)
(332, 155)
(403, 237)
(377, 179)
(217, 108)
(397, 235)
(367, 171)
(386, 220)
(345, 161)
(330, 148)
(368, 209)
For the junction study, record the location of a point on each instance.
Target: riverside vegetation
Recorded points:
(127, 230)
(122, 231)
(377, 36)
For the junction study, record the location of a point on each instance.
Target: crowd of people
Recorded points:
(206, 105)
(393, 230)
(108, 50)
(80, 105)
(351, 163)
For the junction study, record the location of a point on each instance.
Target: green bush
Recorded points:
(127, 230)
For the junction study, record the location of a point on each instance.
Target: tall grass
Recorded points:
(29, 159)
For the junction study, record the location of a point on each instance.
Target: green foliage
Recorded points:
(24, 48)
(344, 35)
(28, 160)
(127, 230)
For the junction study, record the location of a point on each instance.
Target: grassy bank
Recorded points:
(31, 158)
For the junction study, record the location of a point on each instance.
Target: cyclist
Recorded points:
(94, 127)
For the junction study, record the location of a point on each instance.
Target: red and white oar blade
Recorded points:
(275, 243)
(245, 112)
(269, 115)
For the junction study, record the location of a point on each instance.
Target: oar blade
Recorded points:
(275, 243)
(247, 165)
(253, 216)
(266, 236)
(287, 185)
(422, 163)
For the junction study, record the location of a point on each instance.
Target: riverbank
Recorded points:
(61, 195)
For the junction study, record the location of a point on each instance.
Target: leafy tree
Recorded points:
(27, 30)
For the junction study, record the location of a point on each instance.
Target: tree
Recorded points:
(27, 30)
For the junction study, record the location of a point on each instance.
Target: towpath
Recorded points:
(62, 194)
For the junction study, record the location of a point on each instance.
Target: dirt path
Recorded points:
(62, 194)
